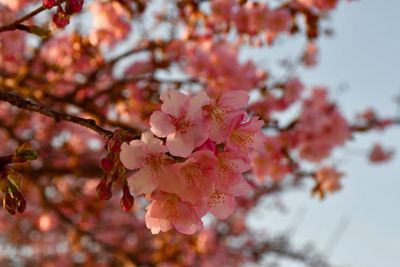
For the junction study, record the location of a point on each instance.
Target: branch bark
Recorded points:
(21, 102)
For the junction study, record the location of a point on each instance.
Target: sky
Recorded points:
(360, 225)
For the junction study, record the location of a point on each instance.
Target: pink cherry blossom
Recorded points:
(147, 155)
(229, 184)
(181, 122)
(244, 136)
(195, 178)
(167, 211)
(221, 112)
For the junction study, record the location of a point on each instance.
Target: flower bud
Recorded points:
(61, 19)
(49, 3)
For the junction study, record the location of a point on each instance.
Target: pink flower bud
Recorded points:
(49, 3)
(73, 6)
(107, 164)
(104, 190)
(61, 19)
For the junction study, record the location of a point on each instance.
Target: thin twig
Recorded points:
(19, 101)
(14, 25)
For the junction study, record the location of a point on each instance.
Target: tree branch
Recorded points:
(14, 25)
(19, 101)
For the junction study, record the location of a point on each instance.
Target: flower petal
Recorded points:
(180, 145)
(142, 182)
(221, 205)
(132, 155)
(161, 124)
(173, 102)
(234, 100)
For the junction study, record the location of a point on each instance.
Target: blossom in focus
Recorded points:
(245, 135)
(147, 155)
(181, 121)
(168, 210)
(221, 111)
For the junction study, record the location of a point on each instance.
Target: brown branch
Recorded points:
(19, 101)
(15, 24)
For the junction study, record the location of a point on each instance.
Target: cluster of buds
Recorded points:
(70, 7)
(115, 171)
(10, 180)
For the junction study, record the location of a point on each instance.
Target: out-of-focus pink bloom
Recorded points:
(12, 43)
(258, 18)
(310, 55)
(292, 91)
(147, 155)
(181, 121)
(140, 68)
(326, 4)
(271, 161)
(321, 127)
(110, 23)
(278, 20)
(16, 5)
(378, 154)
(218, 65)
(329, 179)
(222, 10)
(167, 211)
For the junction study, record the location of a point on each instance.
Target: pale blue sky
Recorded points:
(364, 54)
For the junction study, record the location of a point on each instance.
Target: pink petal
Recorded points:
(161, 124)
(153, 145)
(156, 224)
(238, 162)
(173, 102)
(132, 155)
(196, 103)
(240, 188)
(234, 100)
(171, 181)
(180, 145)
(221, 205)
(187, 222)
(199, 133)
(142, 182)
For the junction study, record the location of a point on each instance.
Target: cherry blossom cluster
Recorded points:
(321, 127)
(251, 18)
(217, 63)
(192, 159)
